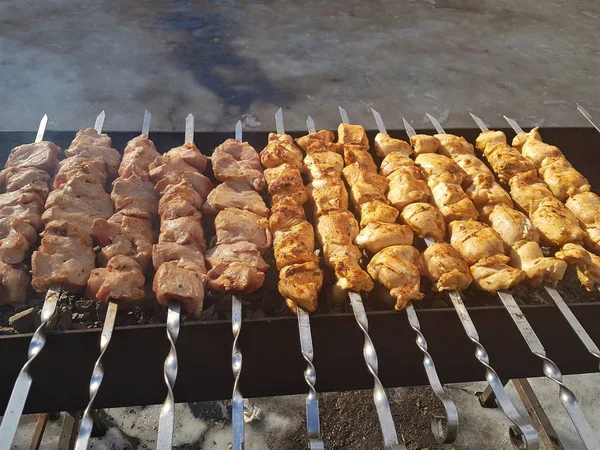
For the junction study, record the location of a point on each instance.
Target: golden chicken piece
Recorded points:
(588, 264)
(537, 151)
(475, 240)
(562, 179)
(556, 224)
(337, 227)
(364, 192)
(295, 245)
(472, 166)
(384, 145)
(512, 225)
(378, 235)
(319, 141)
(527, 190)
(397, 268)
(327, 194)
(486, 193)
(285, 214)
(507, 161)
(393, 162)
(377, 211)
(586, 207)
(407, 185)
(301, 283)
(343, 259)
(425, 220)
(493, 274)
(522, 137)
(439, 168)
(285, 181)
(364, 159)
(324, 164)
(354, 174)
(443, 265)
(527, 256)
(592, 238)
(424, 143)
(354, 135)
(451, 145)
(452, 202)
(489, 138)
(281, 149)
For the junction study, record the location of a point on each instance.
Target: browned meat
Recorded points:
(235, 194)
(354, 174)
(338, 227)
(76, 166)
(324, 164)
(189, 154)
(122, 281)
(285, 181)
(65, 258)
(393, 162)
(423, 143)
(29, 212)
(32, 179)
(377, 211)
(320, 141)
(385, 144)
(16, 238)
(295, 245)
(201, 184)
(123, 235)
(170, 251)
(443, 265)
(42, 155)
(234, 160)
(180, 200)
(235, 225)
(18, 197)
(167, 165)
(344, 261)
(279, 150)
(354, 135)
(507, 161)
(14, 283)
(284, 214)
(138, 155)
(364, 159)
(82, 187)
(451, 145)
(173, 282)
(407, 186)
(242, 251)
(134, 196)
(301, 283)
(327, 195)
(238, 277)
(183, 230)
(93, 145)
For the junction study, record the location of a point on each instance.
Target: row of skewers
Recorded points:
(444, 191)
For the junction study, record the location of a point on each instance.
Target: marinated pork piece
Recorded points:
(397, 268)
(14, 283)
(122, 280)
(475, 240)
(586, 207)
(77, 166)
(377, 211)
(512, 225)
(65, 258)
(180, 200)
(522, 137)
(493, 273)
(285, 181)
(234, 225)
(527, 190)
(451, 145)
(527, 256)
(385, 144)
(295, 245)
(281, 150)
(235, 277)
(439, 168)
(556, 224)
(588, 264)
(301, 283)
(182, 230)
(16, 238)
(407, 185)
(174, 282)
(337, 227)
(537, 151)
(327, 195)
(285, 214)
(453, 203)
(472, 166)
(15, 198)
(235, 194)
(29, 212)
(375, 236)
(134, 196)
(40, 155)
(423, 143)
(486, 193)
(562, 179)
(242, 251)
(324, 165)
(488, 139)
(444, 266)
(507, 161)
(94, 146)
(139, 153)
(354, 135)
(201, 183)
(189, 154)
(30, 178)
(234, 160)
(425, 220)
(393, 162)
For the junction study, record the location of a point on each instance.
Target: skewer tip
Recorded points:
(279, 122)
(310, 124)
(100, 121)
(344, 115)
(408, 128)
(238, 130)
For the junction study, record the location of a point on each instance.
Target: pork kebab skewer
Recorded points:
(336, 230)
(126, 239)
(178, 257)
(300, 278)
(455, 145)
(65, 257)
(442, 263)
(491, 142)
(242, 236)
(396, 262)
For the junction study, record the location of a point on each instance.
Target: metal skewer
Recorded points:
(587, 115)
(583, 335)
(550, 369)
(313, 427)
(386, 422)
(167, 413)
(87, 422)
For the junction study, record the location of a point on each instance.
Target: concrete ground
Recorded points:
(227, 60)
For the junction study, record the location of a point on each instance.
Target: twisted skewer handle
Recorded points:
(444, 429)
(167, 412)
(237, 406)
(390, 438)
(313, 428)
(20, 391)
(87, 423)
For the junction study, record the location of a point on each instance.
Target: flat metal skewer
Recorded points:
(87, 422)
(313, 426)
(587, 115)
(444, 429)
(550, 369)
(166, 419)
(583, 335)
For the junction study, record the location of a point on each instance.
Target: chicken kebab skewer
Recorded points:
(446, 268)
(587, 115)
(178, 257)
(300, 278)
(126, 239)
(486, 143)
(65, 257)
(396, 262)
(454, 145)
(336, 229)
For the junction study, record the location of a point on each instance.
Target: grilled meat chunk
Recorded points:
(201, 183)
(527, 256)
(238, 277)
(324, 165)
(439, 168)
(586, 207)
(234, 160)
(423, 143)
(301, 283)
(135, 196)
(92, 145)
(393, 162)
(407, 185)
(176, 281)
(39, 155)
(556, 224)
(488, 139)
(562, 179)
(319, 141)
(28, 178)
(452, 202)
(537, 151)
(338, 227)
(377, 211)
(425, 220)
(486, 193)
(235, 194)
(385, 144)
(139, 153)
(327, 195)
(353, 135)
(241, 251)
(522, 137)
(527, 190)
(493, 273)
(14, 283)
(295, 245)
(122, 281)
(588, 264)
(285, 214)
(377, 235)
(443, 264)
(16, 238)
(233, 225)
(281, 150)
(507, 161)
(180, 200)
(472, 166)
(512, 225)
(475, 240)
(285, 181)
(76, 166)
(451, 145)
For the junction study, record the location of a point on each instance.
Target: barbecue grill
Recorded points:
(273, 363)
